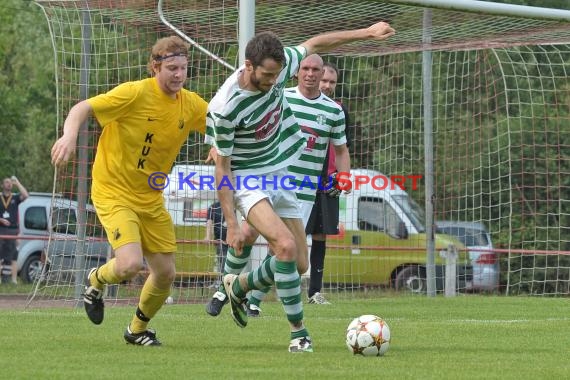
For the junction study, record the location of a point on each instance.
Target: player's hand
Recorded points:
(381, 31)
(212, 156)
(4, 222)
(337, 183)
(331, 187)
(235, 239)
(63, 150)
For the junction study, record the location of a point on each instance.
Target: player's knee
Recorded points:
(169, 276)
(251, 236)
(286, 249)
(129, 269)
(302, 267)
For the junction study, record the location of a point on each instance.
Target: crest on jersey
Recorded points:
(321, 119)
(268, 125)
(277, 88)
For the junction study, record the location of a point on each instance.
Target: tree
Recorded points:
(27, 93)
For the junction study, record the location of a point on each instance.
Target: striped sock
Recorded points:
(235, 264)
(261, 280)
(262, 277)
(257, 296)
(288, 286)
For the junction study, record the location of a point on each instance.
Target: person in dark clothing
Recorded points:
(9, 225)
(216, 229)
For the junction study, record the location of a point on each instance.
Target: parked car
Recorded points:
(42, 214)
(477, 239)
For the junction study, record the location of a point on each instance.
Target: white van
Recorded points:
(382, 239)
(189, 193)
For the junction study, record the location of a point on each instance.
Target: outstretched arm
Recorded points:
(23, 191)
(328, 41)
(64, 147)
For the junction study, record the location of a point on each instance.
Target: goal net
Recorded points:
(500, 98)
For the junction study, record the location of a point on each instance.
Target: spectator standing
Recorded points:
(216, 229)
(9, 224)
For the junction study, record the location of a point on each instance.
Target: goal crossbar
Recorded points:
(491, 8)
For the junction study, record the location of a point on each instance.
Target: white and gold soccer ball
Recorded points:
(368, 335)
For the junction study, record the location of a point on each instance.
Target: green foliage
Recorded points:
(466, 337)
(539, 274)
(27, 90)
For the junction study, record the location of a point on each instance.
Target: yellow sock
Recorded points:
(105, 275)
(151, 300)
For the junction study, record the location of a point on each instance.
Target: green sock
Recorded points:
(299, 333)
(239, 292)
(235, 264)
(288, 287)
(257, 296)
(263, 279)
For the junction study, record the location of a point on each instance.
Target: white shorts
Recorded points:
(283, 201)
(306, 209)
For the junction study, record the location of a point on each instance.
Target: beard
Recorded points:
(257, 84)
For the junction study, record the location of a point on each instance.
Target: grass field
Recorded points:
(467, 337)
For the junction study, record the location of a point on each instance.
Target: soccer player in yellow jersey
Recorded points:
(144, 126)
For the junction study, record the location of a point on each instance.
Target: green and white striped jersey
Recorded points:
(256, 129)
(322, 121)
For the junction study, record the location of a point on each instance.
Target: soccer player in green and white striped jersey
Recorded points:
(255, 134)
(322, 121)
(266, 136)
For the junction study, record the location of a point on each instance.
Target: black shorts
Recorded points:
(8, 251)
(324, 216)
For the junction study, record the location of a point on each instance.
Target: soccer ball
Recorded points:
(368, 335)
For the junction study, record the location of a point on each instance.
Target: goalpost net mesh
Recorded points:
(500, 93)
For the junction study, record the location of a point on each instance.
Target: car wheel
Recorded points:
(32, 268)
(412, 279)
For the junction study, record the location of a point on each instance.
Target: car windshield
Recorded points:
(468, 236)
(412, 210)
(64, 221)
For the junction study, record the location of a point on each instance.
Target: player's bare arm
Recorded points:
(23, 191)
(234, 237)
(64, 147)
(328, 41)
(342, 162)
(212, 156)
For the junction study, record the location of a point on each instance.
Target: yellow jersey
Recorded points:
(143, 132)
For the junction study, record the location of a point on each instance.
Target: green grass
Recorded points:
(467, 337)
